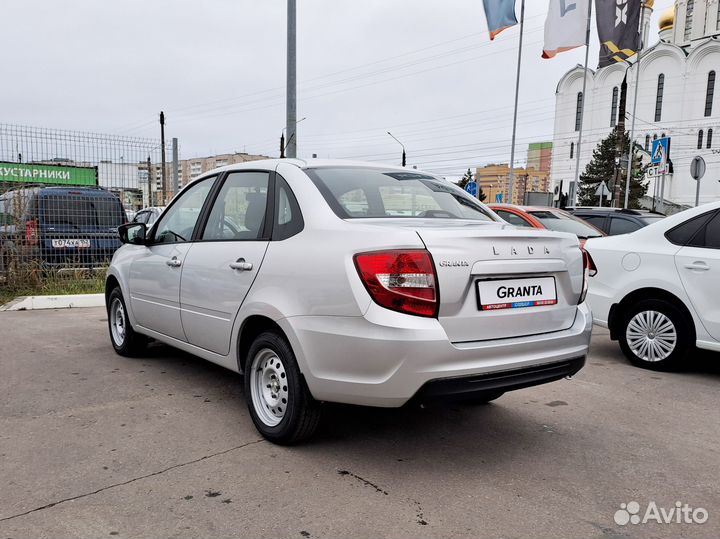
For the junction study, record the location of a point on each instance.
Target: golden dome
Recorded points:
(667, 18)
(649, 3)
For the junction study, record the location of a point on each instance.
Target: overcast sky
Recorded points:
(423, 69)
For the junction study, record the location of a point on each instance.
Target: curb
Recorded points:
(28, 303)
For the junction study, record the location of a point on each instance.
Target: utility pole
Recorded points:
(150, 182)
(163, 172)
(176, 166)
(620, 145)
(291, 99)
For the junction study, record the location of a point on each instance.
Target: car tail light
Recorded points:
(402, 281)
(589, 270)
(31, 232)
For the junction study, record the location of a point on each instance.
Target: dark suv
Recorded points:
(59, 227)
(615, 221)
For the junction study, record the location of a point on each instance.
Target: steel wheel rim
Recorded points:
(117, 322)
(269, 387)
(651, 336)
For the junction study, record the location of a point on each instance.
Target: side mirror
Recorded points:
(133, 233)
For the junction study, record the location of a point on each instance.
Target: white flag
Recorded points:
(566, 26)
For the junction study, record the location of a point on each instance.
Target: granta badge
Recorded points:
(453, 263)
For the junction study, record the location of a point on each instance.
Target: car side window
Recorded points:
(239, 210)
(141, 217)
(684, 232)
(178, 222)
(513, 219)
(288, 219)
(709, 236)
(620, 225)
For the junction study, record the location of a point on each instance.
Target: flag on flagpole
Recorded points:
(618, 23)
(565, 26)
(500, 14)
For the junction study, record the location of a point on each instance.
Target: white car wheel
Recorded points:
(280, 404)
(651, 336)
(117, 322)
(122, 336)
(656, 334)
(269, 387)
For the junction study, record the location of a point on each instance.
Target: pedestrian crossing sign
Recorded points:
(660, 151)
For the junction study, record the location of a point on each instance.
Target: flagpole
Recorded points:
(515, 113)
(634, 112)
(582, 110)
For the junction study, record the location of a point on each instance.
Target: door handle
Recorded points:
(697, 266)
(173, 262)
(241, 265)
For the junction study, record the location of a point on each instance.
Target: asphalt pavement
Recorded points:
(95, 445)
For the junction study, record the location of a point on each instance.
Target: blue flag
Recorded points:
(500, 14)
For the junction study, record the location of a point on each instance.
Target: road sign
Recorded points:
(660, 151)
(602, 190)
(697, 168)
(498, 198)
(472, 188)
(658, 170)
(697, 171)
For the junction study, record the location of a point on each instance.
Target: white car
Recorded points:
(352, 283)
(658, 289)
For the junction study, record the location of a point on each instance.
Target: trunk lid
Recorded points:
(466, 254)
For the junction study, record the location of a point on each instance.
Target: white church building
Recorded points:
(677, 97)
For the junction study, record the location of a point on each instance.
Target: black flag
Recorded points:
(618, 23)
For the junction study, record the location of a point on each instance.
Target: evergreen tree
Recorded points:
(602, 168)
(467, 178)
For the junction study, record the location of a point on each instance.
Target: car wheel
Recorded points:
(655, 335)
(280, 403)
(125, 340)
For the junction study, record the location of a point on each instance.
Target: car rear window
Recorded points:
(80, 212)
(560, 222)
(356, 193)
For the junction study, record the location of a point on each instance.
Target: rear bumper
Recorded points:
(500, 381)
(385, 358)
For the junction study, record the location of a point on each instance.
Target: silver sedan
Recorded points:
(349, 282)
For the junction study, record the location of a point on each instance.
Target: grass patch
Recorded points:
(53, 284)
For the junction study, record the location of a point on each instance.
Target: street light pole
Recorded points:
(283, 145)
(511, 178)
(401, 144)
(291, 100)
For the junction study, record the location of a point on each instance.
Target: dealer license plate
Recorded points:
(516, 293)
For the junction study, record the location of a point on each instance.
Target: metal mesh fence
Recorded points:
(62, 196)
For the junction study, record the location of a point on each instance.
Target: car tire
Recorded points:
(656, 335)
(123, 337)
(280, 404)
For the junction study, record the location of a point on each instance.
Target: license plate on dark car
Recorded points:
(70, 243)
